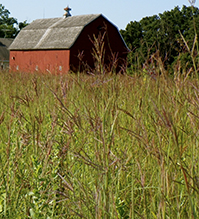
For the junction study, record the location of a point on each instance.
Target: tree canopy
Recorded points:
(9, 26)
(171, 33)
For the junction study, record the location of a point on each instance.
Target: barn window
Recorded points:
(60, 68)
(36, 68)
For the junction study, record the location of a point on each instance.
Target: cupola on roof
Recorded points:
(67, 9)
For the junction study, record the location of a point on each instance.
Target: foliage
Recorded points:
(163, 33)
(8, 25)
(103, 146)
(22, 25)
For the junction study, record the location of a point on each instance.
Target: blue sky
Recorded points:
(119, 12)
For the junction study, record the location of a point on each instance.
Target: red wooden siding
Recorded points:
(54, 61)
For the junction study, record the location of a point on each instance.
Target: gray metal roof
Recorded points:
(4, 52)
(53, 33)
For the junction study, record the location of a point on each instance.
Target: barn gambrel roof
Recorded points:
(53, 33)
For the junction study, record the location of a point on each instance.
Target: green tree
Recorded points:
(163, 33)
(171, 22)
(133, 37)
(8, 25)
(150, 33)
(22, 25)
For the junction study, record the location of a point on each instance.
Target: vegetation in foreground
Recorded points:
(79, 146)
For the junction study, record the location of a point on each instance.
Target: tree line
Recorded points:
(172, 36)
(9, 26)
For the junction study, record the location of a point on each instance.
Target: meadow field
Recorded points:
(99, 146)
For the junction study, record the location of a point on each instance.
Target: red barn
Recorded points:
(58, 45)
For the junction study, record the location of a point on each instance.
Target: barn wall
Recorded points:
(54, 61)
(113, 44)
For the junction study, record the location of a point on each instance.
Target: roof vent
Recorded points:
(67, 14)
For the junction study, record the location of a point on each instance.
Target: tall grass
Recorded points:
(104, 146)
